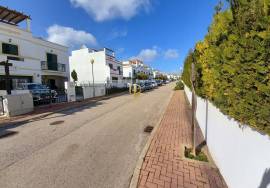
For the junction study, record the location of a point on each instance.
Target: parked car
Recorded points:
(40, 93)
(142, 86)
(154, 84)
(148, 85)
(159, 82)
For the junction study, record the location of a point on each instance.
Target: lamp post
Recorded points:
(93, 78)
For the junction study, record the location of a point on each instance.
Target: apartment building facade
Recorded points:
(33, 59)
(105, 69)
(132, 67)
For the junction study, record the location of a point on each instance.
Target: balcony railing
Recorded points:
(55, 67)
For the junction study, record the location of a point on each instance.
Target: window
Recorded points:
(119, 69)
(114, 78)
(15, 81)
(111, 66)
(10, 49)
(52, 61)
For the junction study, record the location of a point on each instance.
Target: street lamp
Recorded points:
(93, 78)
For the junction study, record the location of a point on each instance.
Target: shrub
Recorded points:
(200, 156)
(179, 86)
(233, 63)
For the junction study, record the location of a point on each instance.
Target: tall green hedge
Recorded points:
(233, 63)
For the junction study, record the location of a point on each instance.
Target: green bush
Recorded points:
(200, 156)
(233, 63)
(179, 86)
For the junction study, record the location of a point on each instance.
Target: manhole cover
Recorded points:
(5, 134)
(56, 122)
(148, 129)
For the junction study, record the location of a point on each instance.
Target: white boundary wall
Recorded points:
(18, 104)
(241, 153)
(88, 91)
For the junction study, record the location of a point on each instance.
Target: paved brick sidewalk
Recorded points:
(164, 165)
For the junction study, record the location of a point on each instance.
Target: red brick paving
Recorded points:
(164, 166)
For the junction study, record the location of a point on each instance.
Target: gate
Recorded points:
(58, 96)
(79, 93)
(61, 96)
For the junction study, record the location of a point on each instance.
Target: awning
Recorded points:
(11, 16)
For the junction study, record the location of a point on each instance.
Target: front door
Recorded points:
(52, 84)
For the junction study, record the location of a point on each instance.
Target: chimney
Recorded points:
(28, 24)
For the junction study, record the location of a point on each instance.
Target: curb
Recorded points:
(135, 176)
(32, 117)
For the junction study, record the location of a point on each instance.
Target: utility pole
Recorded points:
(194, 107)
(6, 64)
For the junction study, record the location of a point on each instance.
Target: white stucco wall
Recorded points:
(127, 72)
(18, 104)
(241, 153)
(88, 91)
(80, 61)
(70, 89)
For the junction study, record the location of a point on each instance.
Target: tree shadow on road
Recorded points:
(5, 126)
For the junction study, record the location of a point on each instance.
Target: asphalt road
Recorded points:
(94, 146)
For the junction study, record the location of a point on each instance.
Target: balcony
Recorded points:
(115, 71)
(53, 67)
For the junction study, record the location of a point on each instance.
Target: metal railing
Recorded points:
(57, 67)
(116, 72)
(61, 97)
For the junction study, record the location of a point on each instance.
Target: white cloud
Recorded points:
(120, 50)
(171, 54)
(119, 34)
(110, 9)
(147, 55)
(68, 36)
(151, 54)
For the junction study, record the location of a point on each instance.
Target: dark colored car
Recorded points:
(142, 86)
(148, 86)
(40, 93)
(159, 82)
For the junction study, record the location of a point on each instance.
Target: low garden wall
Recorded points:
(241, 153)
(18, 104)
(100, 90)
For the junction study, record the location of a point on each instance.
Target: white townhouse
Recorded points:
(106, 68)
(132, 67)
(150, 72)
(129, 70)
(33, 59)
(156, 74)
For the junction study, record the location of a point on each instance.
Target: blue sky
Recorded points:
(160, 32)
